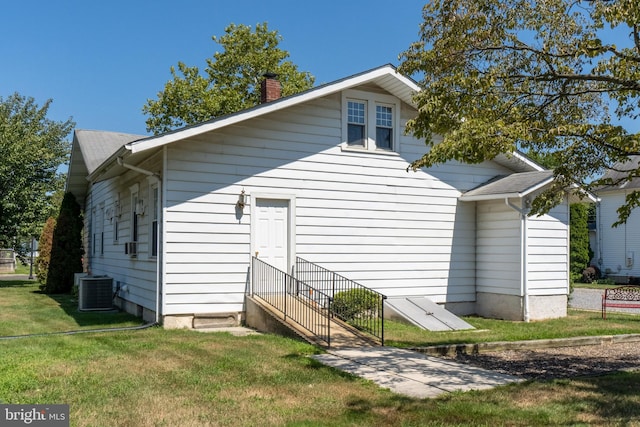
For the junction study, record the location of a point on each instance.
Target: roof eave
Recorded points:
(512, 195)
(349, 82)
(108, 164)
(485, 197)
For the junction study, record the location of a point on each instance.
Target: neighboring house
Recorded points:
(617, 249)
(323, 175)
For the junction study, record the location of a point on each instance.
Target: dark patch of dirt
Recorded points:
(563, 362)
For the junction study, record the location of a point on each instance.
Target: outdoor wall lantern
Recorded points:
(241, 200)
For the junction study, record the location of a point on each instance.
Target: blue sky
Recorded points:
(101, 61)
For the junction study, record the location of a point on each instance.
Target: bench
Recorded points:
(621, 297)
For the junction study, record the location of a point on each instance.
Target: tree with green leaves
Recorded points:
(230, 83)
(540, 76)
(45, 242)
(32, 147)
(66, 248)
(580, 251)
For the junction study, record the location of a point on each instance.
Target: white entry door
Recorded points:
(272, 232)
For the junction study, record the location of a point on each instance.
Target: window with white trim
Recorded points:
(356, 122)
(94, 224)
(134, 214)
(97, 214)
(116, 219)
(372, 121)
(155, 204)
(101, 227)
(384, 127)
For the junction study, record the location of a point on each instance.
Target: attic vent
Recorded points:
(95, 293)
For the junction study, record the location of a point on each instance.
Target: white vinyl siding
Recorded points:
(547, 257)
(500, 246)
(360, 214)
(354, 211)
(139, 274)
(617, 243)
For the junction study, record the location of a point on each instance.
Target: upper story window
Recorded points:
(384, 127)
(371, 121)
(356, 119)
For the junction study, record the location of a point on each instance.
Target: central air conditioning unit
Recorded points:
(95, 293)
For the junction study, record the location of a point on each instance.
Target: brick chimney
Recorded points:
(270, 88)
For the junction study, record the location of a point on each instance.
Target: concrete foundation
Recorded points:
(461, 308)
(497, 306)
(178, 321)
(216, 320)
(510, 307)
(135, 309)
(257, 317)
(547, 306)
(182, 321)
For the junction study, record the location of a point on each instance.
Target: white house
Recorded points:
(323, 175)
(617, 249)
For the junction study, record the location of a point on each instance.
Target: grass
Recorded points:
(23, 269)
(157, 377)
(577, 323)
(24, 310)
(597, 285)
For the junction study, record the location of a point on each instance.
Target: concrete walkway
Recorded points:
(14, 277)
(411, 373)
(419, 375)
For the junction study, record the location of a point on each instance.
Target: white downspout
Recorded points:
(599, 241)
(524, 288)
(159, 256)
(162, 279)
(159, 246)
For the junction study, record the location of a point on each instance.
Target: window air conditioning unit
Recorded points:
(131, 248)
(95, 293)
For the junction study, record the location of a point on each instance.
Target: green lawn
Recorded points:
(156, 377)
(24, 310)
(577, 323)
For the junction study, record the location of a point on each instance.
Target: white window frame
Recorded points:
(134, 233)
(154, 215)
(371, 100)
(101, 219)
(94, 231)
(117, 209)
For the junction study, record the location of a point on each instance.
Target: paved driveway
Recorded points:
(591, 299)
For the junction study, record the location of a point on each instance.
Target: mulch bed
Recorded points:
(562, 362)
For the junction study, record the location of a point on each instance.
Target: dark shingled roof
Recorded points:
(616, 175)
(98, 146)
(514, 185)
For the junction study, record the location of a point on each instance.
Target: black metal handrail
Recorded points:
(359, 306)
(308, 307)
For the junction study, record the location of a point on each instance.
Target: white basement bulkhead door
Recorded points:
(272, 232)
